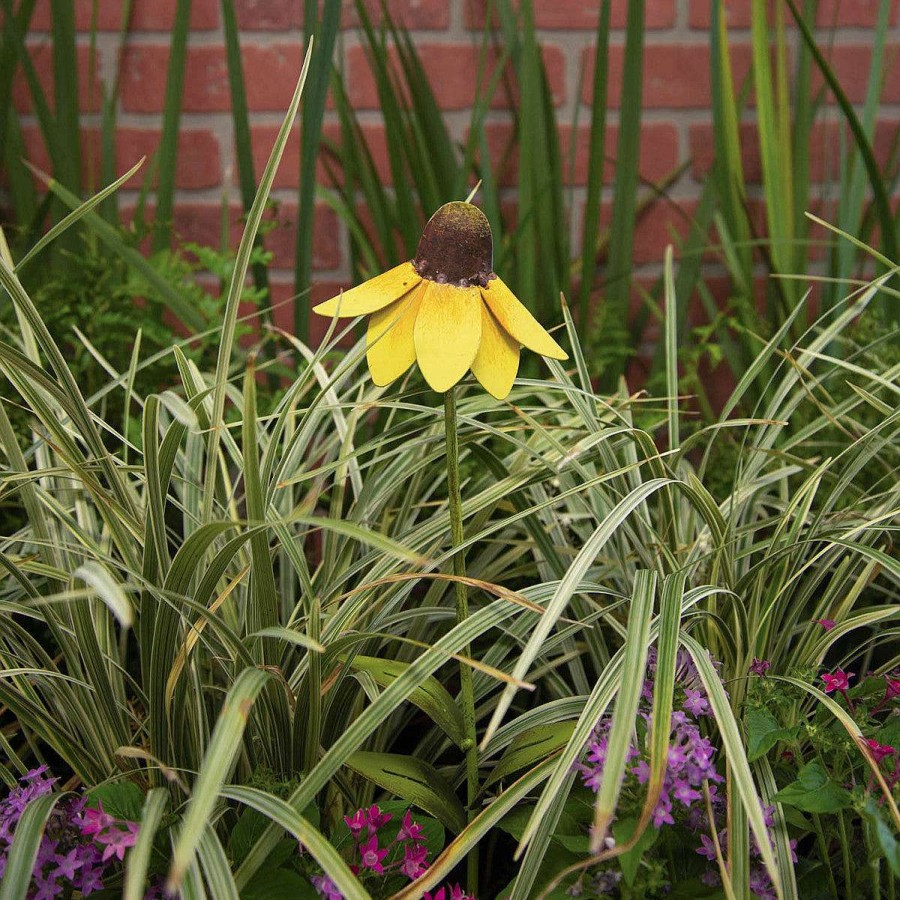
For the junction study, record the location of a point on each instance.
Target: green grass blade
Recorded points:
(138, 860)
(167, 155)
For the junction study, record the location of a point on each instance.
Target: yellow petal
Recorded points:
(497, 360)
(518, 322)
(372, 295)
(447, 333)
(389, 339)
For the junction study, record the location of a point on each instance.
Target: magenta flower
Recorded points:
(838, 681)
(357, 823)
(93, 821)
(409, 830)
(827, 624)
(370, 856)
(879, 751)
(326, 888)
(377, 818)
(759, 666)
(892, 687)
(413, 864)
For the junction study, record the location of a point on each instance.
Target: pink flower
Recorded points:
(409, 830)
(118, 840)
(838, 681)
(879, 751)
(827, 624)
(413, 864)
(370, 856)
(892, 687)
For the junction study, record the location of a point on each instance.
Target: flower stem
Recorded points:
(466, 693)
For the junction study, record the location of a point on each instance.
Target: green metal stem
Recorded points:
(466, 692)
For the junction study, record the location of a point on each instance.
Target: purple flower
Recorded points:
(695, 703)
(759, 666)
(370, 856)
(413, 864)
(67, 866)
(707, 847)
(409, 830)
(662, 815)
(685, 793)
(642, 771)
(325, 887)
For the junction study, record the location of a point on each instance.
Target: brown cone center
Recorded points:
(456, 247)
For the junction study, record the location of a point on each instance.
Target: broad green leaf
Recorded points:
(622, 831)
(530, 747)
(430, 696)
(415, 780)
(764, 732)
(814, 791)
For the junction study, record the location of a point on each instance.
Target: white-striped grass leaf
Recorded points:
(568, 586)
(24, 849)
(75, 215)
(768, 789)
(741, 787)
(634, 667)
(108, 590)
(284, 816)
(218, 762)
(138, 859)
(236, 288)
(215, 865)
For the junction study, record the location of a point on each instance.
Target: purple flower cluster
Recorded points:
(690, 756)
(79, 844)
(375, 854)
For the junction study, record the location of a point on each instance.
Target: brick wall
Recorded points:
(676, 95)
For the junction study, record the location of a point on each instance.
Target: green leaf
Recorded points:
(764, 732)
(122, 799)
(414, 780)
(887, 840)
(430, 696)
(622, 831)
(814, 792)
(527, 748)
(279, 884)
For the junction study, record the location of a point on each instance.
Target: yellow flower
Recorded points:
(446, 309)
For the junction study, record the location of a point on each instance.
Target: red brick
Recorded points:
(577, 14)
(659, 152)
(89, 91)
(282, 240)
(279, 15)
(288, 174)
(284, 300)
(676, 76)
(147, 15)
(452, 71)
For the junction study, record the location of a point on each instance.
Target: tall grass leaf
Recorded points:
(23, 853)
(243, 149)
(108, 590)
(596, 163)
(215, 865)
(568, 586)
(235, 290)
(876, 182)
(167, 154)
(319, 60)
(625, 711)
(218, 763)
(138, 860)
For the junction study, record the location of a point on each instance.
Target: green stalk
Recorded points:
(466, 693)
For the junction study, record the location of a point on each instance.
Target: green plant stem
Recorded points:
(466, 693)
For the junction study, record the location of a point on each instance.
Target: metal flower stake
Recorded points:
(447, 310)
